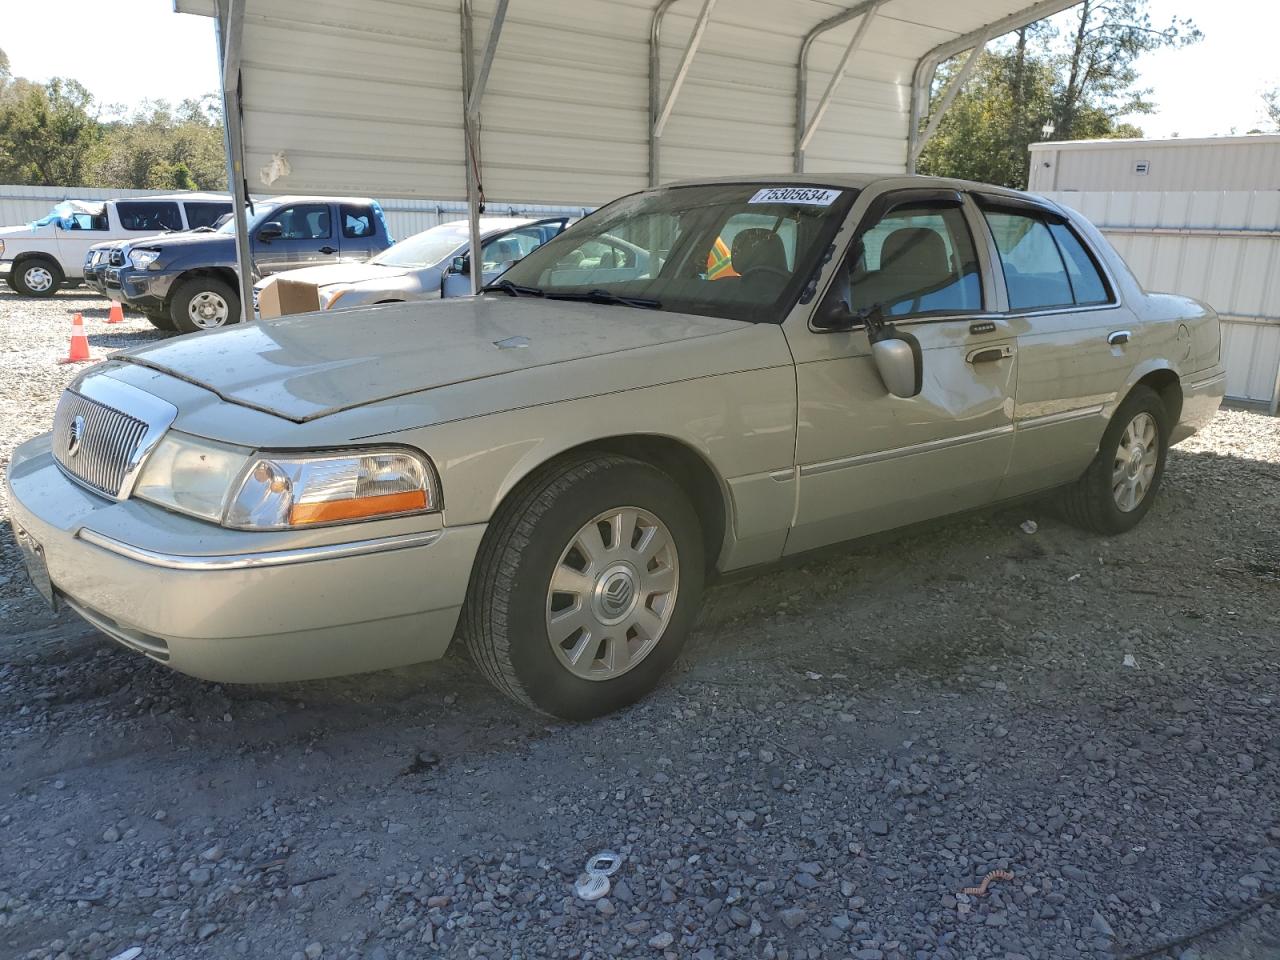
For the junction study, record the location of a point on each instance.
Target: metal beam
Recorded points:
(471, 142)
(695, 41)
(230, 34)
(802, 70)
(486, 60)
(927, 66)
(858, 36)
(953, 88)
(655, 85)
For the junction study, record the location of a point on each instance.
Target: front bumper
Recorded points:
(255, 610)
(139, 288)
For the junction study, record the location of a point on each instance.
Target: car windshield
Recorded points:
(739, 251)
(259, 216)
(425, 249)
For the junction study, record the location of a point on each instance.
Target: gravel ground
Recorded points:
(846, 746)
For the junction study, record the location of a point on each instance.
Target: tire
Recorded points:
(36, 277)
(512, 613)
(161, 321)
(203, 297)
(1117, 490)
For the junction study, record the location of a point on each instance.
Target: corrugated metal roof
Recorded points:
(365, 95)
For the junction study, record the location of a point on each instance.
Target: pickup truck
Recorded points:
(187, 282)
(38, 258)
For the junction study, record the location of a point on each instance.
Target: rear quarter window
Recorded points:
(152, 216)
(1087, 282)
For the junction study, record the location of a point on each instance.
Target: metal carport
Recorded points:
(579, 101)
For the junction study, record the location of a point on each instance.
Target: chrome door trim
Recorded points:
(249, 561)
(1063, 416)
(928, 446)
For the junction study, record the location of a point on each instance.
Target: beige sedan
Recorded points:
(695, 379)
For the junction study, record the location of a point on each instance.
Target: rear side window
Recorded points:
(919, 259)
(1086, 279)
(357, 221)
(154, 216)
(202, 213)
(1045, 265)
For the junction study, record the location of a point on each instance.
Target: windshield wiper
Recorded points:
(609, 297)
(512, 289)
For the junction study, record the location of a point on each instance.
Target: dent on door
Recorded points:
(870, 461)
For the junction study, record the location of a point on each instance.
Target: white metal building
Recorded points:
(1152, 166)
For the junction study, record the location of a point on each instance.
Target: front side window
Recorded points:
(919, 259)
(152, 216)
(510, 248)
(304, 221)
(739, 251)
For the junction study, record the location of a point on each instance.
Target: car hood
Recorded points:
(312, 365)
(170, 241)
(25, 232)
(341, 273)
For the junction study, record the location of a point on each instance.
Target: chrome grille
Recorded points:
(95, 443)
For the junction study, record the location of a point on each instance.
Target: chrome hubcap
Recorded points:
(38, 279)
(1135, 463)
(208, 309)
(612, 593)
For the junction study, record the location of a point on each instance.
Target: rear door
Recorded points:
(868, 460)
(1075, 342)
(307, 238)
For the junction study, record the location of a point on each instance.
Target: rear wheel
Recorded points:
(1117, 490)
(36, 277)
(586, 586)
(203, 303)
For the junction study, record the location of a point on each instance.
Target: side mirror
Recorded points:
(460, 265)
(897, 356)
(270, 231)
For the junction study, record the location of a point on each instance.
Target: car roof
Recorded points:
(219, 197)
(304, 199)
(861, 181)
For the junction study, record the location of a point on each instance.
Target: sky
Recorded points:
(1212, 88)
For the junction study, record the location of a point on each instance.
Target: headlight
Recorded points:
(143, 258)
(1, 246)
(278, 492)
(256, 491)
(328, 299)
(192, 475)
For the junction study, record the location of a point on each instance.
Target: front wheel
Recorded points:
(203, 303)
(161, 321)
(36, 277)
(586, 586)
(1117, 490)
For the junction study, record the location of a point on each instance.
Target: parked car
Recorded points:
(110, 253)
(426, 266)
(38, 258)
(553, 469)
(188, 282)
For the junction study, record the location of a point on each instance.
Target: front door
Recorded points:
(306, 239)
(867, 460)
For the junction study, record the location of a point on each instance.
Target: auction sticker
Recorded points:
(809, 196)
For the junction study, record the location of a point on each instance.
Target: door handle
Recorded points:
(328, 250)
(1118, 337)
(990, 354)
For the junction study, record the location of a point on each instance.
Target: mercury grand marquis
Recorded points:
(693, 380)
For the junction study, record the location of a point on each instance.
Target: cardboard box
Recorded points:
(282, 297)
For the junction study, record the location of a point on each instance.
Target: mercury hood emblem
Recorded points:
(75, 432)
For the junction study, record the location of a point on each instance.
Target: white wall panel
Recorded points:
(1222, 247)
(1217, 163)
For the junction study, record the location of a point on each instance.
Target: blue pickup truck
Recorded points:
(187, 281)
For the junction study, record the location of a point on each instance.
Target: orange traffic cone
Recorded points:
(79, 352)
(116, 313)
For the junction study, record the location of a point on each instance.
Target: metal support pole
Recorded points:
(802, 70)
(230, 33)
(471, 146)
(953, 88)
(858, 36)
(655, 85)
(682, 71)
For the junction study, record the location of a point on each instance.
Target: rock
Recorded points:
(207, 930)
(879, 827)
(213, 854)
(313, 950)
(200, 876)
(1099, 923)
(792, 917)
(110, 835)
(661, 941)
(605, 905)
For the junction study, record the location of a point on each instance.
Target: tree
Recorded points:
(160, 147)
(1271, 104)
(46, 132)
(1106, 38)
